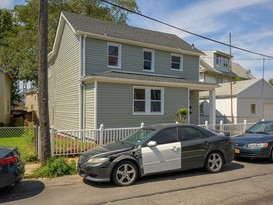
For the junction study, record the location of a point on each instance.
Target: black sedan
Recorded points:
(256, 142)
(156, 149)
(11, 167)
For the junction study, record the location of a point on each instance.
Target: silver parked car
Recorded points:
(156, 149)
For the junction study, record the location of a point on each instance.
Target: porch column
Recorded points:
(212, 108)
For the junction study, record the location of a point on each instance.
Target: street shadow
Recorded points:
(23, 190)
(264, 161)
(169, 176)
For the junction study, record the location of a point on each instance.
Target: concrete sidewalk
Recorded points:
(29, 168)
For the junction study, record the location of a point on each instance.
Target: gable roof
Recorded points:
(91, 27)
(237, 87)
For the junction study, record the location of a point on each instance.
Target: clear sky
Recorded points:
(250, 23)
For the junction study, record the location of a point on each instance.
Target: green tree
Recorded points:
(8, 49)
(24, 52)
(270, 81)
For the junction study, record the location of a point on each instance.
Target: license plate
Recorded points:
(237, 151)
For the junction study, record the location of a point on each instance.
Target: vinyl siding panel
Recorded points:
(65, 82)
(115, 105)
(89, 106)
(194, 103)
(132, 60)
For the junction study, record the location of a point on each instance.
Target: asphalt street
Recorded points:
(241, 182)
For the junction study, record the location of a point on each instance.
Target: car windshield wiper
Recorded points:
(249, 131)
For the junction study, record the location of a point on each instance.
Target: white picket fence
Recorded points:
(75, 142)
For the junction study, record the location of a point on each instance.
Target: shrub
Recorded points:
(56, 167)
(181, 115)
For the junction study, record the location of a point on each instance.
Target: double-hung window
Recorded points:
(176, 62)
(148, 100)
(114, 55)
(148, 60)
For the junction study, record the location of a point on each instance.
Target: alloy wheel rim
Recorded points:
(215, 162)
(126, 173)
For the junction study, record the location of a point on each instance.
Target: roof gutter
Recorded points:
(137, 43)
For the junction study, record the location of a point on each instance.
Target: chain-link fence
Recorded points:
(25, 138)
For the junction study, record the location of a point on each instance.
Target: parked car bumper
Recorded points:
(229, 156)
(11, 175)
(252, 153)
(95, 172)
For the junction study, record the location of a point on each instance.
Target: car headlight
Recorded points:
(98, 160)
(257, 145)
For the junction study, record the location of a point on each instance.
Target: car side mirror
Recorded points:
(152, 144)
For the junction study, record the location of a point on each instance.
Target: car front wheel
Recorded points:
(125, 173)
(214, 162)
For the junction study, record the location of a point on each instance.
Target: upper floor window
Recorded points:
(222, 61)
(148, 60)
(114, 55)
(148, 100)
(176, 62)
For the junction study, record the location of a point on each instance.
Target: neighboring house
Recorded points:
(5, 96)
(214, 68)
(106, 73)
(31, 103)
(252, 100)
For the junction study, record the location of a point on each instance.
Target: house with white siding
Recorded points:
(251, 100)
(214, 68)
(117, 75)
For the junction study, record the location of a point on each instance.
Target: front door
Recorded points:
(165, 156)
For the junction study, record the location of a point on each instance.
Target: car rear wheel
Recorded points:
(125, 173)
(214, 162)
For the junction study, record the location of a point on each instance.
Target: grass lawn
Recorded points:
(21, 138)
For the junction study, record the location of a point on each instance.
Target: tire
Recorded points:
(125, 173)
(271, 156)
(214, 162)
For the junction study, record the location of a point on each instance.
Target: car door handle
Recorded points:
(174, 148)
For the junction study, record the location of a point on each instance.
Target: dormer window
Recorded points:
(114, 55)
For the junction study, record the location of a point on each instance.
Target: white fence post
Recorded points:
(39, 144)
(206, 124)
(142, 125)
(101, 134)
(52, 133)
(244, 129)
(221, 127)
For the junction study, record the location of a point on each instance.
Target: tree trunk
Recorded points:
(43, 84)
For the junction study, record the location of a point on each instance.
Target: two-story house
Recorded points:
(214, 68)
(117, 75)
(5, 96)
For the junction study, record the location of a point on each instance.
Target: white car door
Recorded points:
(165, 156)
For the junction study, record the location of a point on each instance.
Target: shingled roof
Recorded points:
(85, 24)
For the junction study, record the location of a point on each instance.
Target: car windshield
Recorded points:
(138, 137)
(261, 127)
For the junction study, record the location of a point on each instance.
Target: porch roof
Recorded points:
(145, 79)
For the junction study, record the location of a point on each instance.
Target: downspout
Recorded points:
(82, 86)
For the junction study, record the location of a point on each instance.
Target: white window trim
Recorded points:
(148, 101)
(153, 60)
(181, 62)
(119, 56)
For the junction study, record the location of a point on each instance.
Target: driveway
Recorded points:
(239, 183)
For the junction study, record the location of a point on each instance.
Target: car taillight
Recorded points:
(8, 160)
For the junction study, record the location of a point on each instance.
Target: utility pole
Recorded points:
(230, 80)
(43, 84)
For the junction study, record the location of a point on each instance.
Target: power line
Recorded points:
(183, 30)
